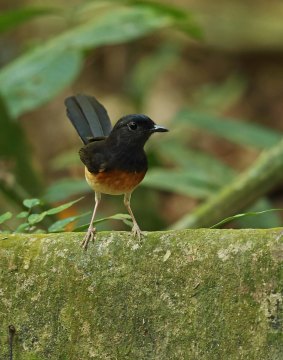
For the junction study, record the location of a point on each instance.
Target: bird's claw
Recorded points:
(137, 231)
(89, 236)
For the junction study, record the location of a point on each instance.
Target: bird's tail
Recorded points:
(88, 116)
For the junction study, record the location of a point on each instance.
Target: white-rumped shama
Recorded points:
(114, 158)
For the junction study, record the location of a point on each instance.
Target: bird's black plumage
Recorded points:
(107, 148)
(114, 158)
(122, 149)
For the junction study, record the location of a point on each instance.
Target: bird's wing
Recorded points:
(93, 156)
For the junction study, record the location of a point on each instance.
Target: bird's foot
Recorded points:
(89, 236)
(137, 231)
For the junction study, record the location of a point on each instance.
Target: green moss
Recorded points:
(195, 294)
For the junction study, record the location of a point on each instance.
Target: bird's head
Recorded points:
(135, 129)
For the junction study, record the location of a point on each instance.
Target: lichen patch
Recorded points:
(234, 249)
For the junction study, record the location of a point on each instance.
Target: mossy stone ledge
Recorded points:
(190, 294)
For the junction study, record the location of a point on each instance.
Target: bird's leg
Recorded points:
(136, 230)
(90, 235)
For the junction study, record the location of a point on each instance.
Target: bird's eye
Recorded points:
(132, 125)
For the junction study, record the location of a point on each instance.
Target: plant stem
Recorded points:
(265, 174)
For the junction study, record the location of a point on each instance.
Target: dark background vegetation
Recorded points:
(212, 72)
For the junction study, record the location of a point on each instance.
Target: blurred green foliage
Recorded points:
(38, 75)
(13, 18)
(33, 217)
(18, 179)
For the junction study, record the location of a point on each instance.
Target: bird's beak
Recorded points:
(158, 128)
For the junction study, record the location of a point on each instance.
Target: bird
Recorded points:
(114, 157)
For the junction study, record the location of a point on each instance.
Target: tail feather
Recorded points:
(88, 116)
(102, 115)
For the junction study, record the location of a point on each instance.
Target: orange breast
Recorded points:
(114, 182)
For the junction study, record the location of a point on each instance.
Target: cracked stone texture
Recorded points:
(192, 294)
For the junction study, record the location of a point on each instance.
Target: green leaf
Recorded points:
(183, 19)
(6, 216)
(12, 18)
(36, 218)
(132, 22)
(64, 188)
(238, 216)
(40, 74)
(30, 203)
(61, 224)
(39, 231)
(62, 207)
(22, 215)
(269, 220)
(126, 218)
(21, 228)
(239, 132)
(183, 182)
(123, 217)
